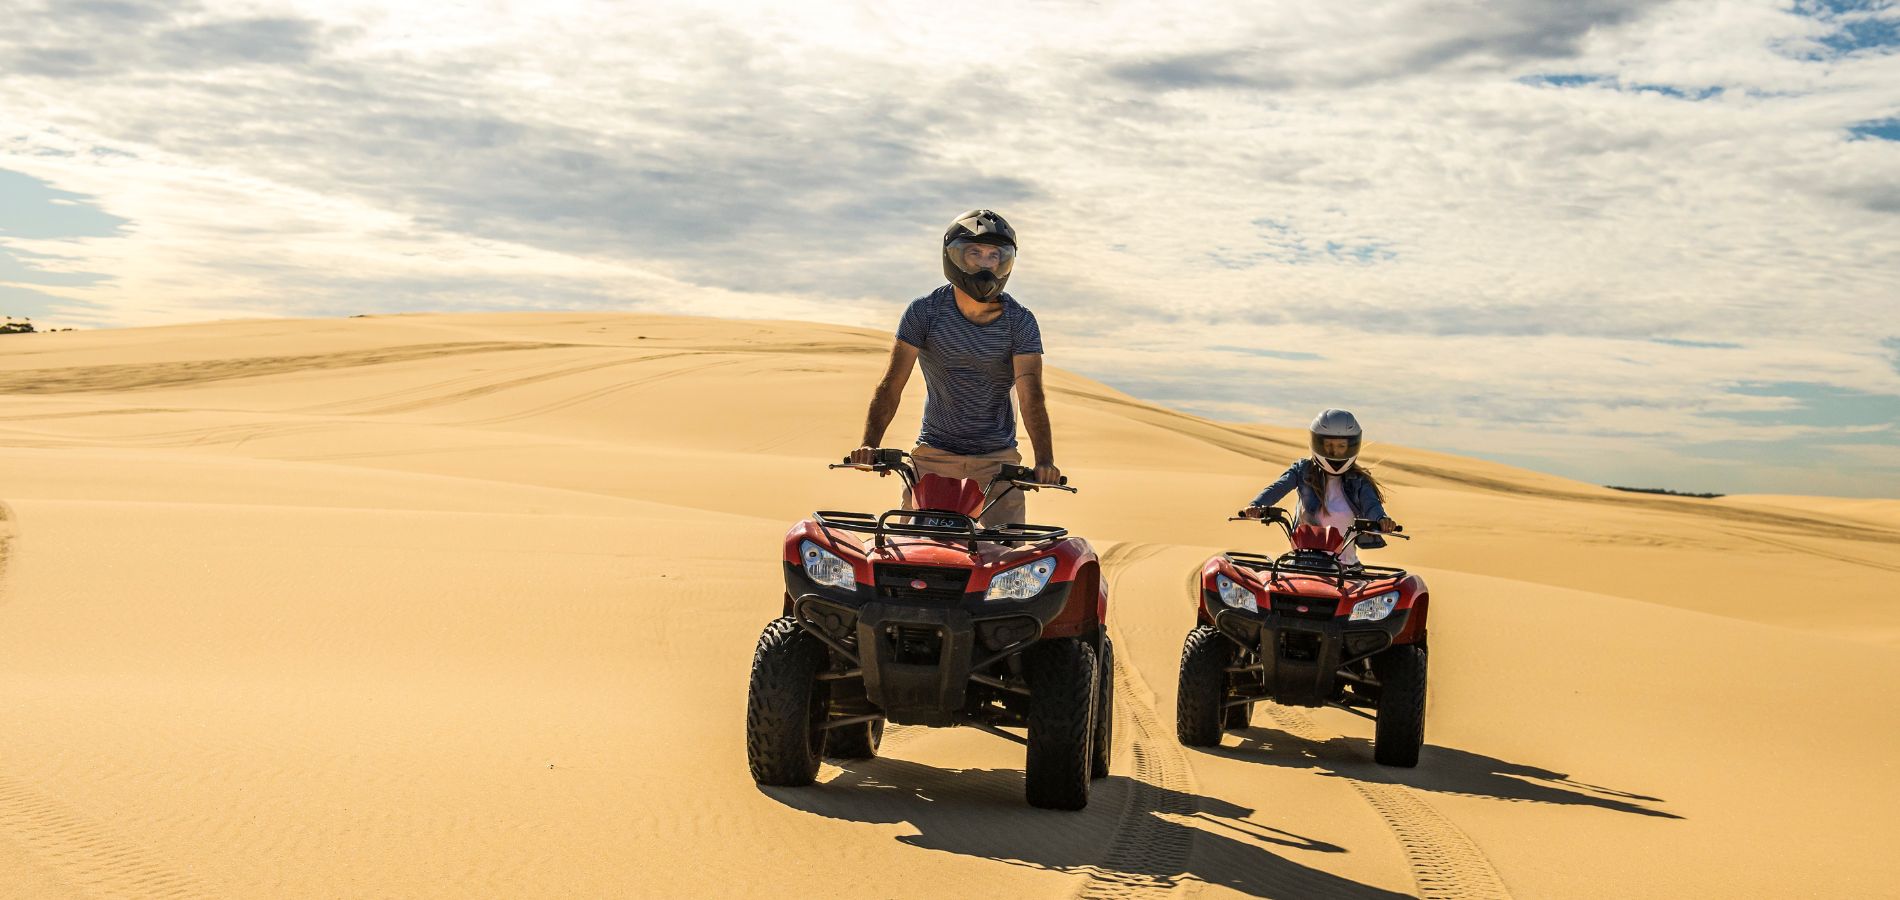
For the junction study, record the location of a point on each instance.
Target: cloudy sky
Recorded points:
(1634, 243)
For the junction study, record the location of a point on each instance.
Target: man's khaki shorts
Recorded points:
(930, 460)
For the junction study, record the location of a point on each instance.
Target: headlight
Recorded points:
(1234, 595)
(1023, 582)
(825, 568)
(1372, 609)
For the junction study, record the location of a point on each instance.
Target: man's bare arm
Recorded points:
(1036, 415)
(890, 391)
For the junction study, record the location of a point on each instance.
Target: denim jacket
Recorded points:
(1359, 495)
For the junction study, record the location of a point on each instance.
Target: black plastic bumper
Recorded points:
(917, 659)
(1300, 657)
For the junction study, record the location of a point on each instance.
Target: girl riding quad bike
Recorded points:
(1312, 627)
(924, 617)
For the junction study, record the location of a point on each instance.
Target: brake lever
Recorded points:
(1036, 486)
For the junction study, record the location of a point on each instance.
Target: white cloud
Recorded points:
(1395, 186)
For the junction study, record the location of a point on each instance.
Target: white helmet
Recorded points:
(1335, 423)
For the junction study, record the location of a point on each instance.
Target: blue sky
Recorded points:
(30, 208)
(1630, 242)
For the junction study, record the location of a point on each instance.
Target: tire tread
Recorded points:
(781, 746)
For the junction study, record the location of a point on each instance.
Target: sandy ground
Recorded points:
(463, 606)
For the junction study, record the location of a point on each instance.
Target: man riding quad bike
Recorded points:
(1306, 629)
(925, 617)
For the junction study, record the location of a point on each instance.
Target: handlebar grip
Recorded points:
(1025, 473)
(882, 457)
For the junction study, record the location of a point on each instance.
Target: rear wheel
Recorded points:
(855, 741)
(1104, 712)
(1400, 731)
(1061, 676)
(1202, 687)
(1237, 717)
(785, 706)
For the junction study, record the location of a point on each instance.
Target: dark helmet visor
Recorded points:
(973, 256)
(1325, 447)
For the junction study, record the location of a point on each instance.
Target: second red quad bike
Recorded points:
(1305, 629)
(925, 617)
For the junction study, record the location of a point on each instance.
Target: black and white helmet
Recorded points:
(1335, 423)
(979, 249)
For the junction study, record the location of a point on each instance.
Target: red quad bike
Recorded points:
(1303, 629)
(924, 617)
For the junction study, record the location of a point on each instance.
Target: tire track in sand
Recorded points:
(191, 373)
(1445, 863)
(1443, 860)
(1150, 851)
(6, 544)
(75, 849)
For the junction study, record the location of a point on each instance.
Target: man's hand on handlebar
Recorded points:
(1253, 512)
(1028, 479)
(867, 456)
(1047, 473)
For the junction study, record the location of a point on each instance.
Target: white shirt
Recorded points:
(1337, 512)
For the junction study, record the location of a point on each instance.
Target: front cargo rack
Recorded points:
(931, 523)
(1323, 565)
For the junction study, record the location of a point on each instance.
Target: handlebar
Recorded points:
(1269, 514)
(1372, 526)
(886, 459)
(1276, 515)
(1025, 477)
(882, 458)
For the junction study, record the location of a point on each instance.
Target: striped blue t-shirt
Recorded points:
(968, 370)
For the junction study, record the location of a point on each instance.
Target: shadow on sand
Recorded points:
(1155, 837)
(1443, 770)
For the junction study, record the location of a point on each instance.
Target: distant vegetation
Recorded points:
(24, 325)
(1634, 490)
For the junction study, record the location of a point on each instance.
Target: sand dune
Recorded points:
(463, 605)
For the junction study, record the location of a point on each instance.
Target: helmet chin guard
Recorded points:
(1335, 466)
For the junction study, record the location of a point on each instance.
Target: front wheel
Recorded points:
(1061, 676)
(1104, 712)
(785, 706)
(1399, 734)
(1203, 685)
